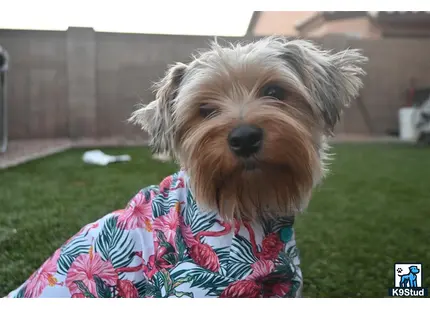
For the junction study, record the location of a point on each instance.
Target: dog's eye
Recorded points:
(274, 91)
(207, 110)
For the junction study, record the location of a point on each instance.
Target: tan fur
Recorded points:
(230, 80)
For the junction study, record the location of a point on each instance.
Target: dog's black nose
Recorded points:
(245, 140)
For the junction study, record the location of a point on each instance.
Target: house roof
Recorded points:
(378, 16)
(330, 15)
(253, 22)
(410, 17)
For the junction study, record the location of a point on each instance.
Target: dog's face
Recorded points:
(414, 269)
(248, 122)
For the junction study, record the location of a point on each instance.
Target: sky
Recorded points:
(161, 16)
(192, 17)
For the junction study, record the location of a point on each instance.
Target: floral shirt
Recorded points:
(163, 245)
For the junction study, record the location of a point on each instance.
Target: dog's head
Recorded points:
(248, 122)
(414, 269)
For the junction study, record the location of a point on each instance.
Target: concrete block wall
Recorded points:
(84, 84)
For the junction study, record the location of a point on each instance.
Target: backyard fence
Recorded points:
(80, 83)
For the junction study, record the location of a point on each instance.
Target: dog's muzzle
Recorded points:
(245, 140)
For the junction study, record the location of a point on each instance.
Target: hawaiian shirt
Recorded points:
(163, 245)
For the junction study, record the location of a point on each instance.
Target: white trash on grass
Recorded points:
(97, 157)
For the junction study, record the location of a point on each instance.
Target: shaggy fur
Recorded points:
(198, 104)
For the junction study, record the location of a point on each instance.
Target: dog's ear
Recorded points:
(333, 79)
(156, 118)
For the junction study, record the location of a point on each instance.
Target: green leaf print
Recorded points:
(146, 289)
(103, 291)
(175, 275)
(21, 292)
(163, 241)
(182, 294)
(294, 288)
(197, 220)
(202, 278)
(180, 245)
(168, 283)
(238, 270)
(70, 251)
(284, 259)
(84, 289)
(161, 205)
(274, 225)
(163, 201)
(224, 258)
(223, 255)
(114, 244)
(241, 251)
(171, 258)
(241, 258)
(292, 252)
(158, 281)
(284, 267)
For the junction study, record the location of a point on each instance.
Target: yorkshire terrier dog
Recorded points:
(248, 125)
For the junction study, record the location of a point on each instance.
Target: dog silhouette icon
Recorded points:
(410, 279)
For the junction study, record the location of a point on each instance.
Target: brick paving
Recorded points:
(21, 151)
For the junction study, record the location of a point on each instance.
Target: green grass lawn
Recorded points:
(372, 211)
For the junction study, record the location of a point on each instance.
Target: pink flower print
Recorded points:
(118, 212)
(166, 185)
(85, 267)
(181, 184)
(168, 224)
(261, 269)
(138, 213)
(43, 277)
(253, 285)
(156, 262)
(126, 289)
(86, 227)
